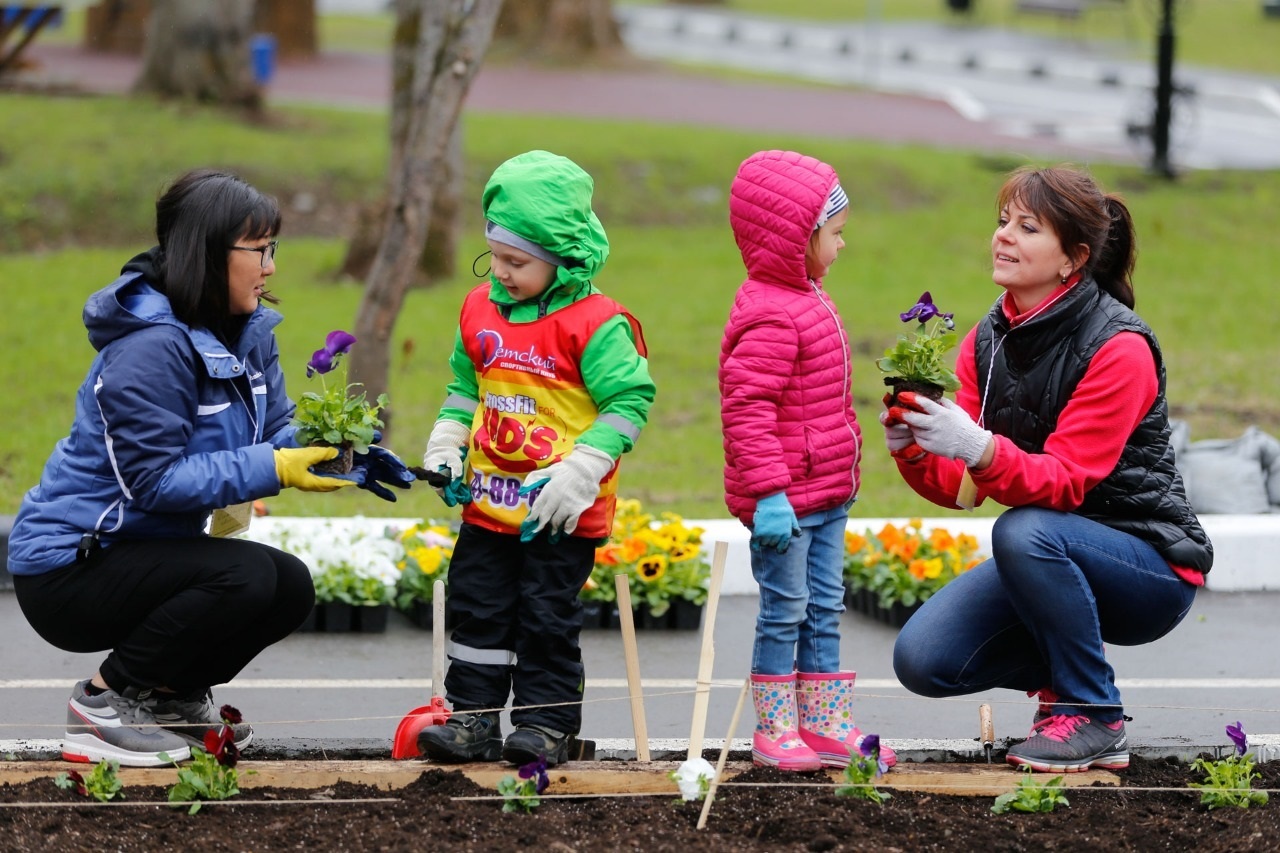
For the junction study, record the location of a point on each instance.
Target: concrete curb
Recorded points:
(1266, 748)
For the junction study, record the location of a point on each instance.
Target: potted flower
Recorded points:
(915, 363)
(427, 549)
(667, 573)
(890, 573)
(352, 566)
(336, 416)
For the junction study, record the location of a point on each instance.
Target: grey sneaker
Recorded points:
(464, 737)
(529, 743)
(191, 716)
(118, 727)
(1070, 743)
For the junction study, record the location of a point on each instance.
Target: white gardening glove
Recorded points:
(945, 429)
(569, 488)
(445, 449)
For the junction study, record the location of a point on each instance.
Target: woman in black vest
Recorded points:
(1062, 416)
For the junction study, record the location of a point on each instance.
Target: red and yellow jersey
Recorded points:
(532, 405)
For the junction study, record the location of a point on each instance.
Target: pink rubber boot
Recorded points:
(824, 702)
(776, 742)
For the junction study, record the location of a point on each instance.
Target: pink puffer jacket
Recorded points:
(786, 401)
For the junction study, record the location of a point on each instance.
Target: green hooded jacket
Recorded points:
(546, 198)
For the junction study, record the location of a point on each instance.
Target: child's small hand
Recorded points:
(774, 523)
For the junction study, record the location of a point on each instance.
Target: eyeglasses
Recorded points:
(268, 251)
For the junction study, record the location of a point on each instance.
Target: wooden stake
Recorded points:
(702, 696)
(437, 638)
(724, 753)
(632, 656)
(987, 728)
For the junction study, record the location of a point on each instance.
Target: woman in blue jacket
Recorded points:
(182, 411)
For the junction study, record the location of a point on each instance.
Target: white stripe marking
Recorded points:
(651, 683)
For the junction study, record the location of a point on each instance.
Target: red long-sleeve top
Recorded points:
(1081, 451)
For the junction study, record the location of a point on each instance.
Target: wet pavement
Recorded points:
(350, 690)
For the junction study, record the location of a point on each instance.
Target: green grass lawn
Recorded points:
(79, 198)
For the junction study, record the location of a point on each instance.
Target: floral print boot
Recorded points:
(824, 702)
(776, 742)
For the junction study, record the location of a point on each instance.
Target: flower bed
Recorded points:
(890, 573)
(667, 571)
(354, 569)
(362, 567)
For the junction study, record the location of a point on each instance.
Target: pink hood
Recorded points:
(786, 402)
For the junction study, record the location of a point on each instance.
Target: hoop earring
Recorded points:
(477, 260)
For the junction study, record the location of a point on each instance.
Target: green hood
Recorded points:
(546, 198)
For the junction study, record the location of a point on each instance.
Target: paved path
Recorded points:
(362, 81)
(1213, 669)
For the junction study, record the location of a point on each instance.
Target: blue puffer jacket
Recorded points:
(169, 425)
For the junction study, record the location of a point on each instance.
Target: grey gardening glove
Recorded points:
(566, 489)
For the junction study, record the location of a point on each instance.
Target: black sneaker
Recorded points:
(529, 743)
(1070, 743)
(191, 716)
(118, 727)
(464, 737)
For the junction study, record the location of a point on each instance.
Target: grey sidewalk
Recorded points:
(345, 692)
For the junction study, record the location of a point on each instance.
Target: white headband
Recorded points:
(836, 202)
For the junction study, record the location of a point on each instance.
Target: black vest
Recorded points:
(1027, 375)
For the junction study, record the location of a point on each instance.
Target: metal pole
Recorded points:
(1164, 93)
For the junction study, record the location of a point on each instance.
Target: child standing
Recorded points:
(792, 445)
(550, 387)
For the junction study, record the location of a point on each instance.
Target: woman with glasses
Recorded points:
(183, 411)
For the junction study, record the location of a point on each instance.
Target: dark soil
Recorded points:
(423, 816)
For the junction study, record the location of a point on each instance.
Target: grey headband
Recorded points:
(496, 232)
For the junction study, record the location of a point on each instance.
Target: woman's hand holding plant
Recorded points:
(944, 429)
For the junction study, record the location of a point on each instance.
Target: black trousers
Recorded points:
(517, 620)
(177, 613)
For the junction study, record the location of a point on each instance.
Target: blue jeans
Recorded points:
(1037, 613)
(801, 598)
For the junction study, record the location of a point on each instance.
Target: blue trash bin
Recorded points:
(262, 50)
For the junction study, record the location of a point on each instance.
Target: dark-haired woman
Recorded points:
(183, 411)
(1062, 416)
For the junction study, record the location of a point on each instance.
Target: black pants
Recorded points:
(517, 620)
(177, 613)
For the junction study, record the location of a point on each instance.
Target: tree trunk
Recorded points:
(198, 50)
(119, 26)
(440, 253)
(561, 29)
(451, 38)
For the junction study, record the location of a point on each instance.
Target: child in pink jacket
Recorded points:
(792, 445)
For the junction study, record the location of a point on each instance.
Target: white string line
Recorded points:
(933, 789)
(186, 803)
(1234, 683)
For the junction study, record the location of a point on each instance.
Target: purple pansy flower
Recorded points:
(1237, 735)
(323, 360)
(539, 769)
(924, 310)
(870, 748)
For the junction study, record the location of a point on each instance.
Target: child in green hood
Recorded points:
(550, 387)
